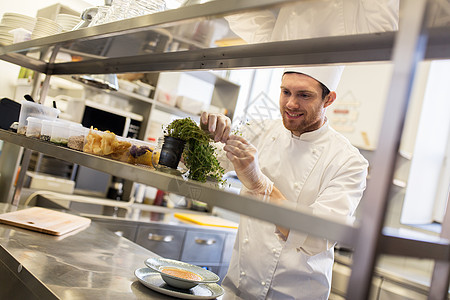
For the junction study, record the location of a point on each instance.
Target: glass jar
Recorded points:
(167, 157)
(145, 7)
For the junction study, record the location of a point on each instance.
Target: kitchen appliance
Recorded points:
(104, 117)
(9, 112)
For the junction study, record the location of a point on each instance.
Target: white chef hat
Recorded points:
(327, 75)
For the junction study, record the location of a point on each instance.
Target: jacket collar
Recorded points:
(312, 135)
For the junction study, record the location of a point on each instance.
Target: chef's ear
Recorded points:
(329, 99)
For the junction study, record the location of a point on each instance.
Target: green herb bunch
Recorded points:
(199, 154)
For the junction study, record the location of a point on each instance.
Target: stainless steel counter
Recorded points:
(92, 263)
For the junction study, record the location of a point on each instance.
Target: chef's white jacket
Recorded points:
(319, 169)
(316, 18)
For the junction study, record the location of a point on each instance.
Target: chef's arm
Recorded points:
(244, 158)
(277, 198)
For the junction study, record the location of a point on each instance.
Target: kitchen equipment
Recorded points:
(44, 220)
(9, 112)
(104, 117)
(206, 220)
(50, 183)
(86, 17)
(101, 81)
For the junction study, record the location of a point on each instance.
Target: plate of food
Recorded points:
(154, 281)
(180, 274)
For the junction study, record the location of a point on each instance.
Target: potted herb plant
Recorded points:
(198, 152)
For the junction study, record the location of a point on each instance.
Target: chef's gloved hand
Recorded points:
(218, 125)
(244, 157)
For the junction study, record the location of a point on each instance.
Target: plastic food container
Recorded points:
(120, 149)
(143, 88)
(46, 130)
(32, 109)
(141, 152)
(77, 136)
(105, 143)
(60, 133)
(33, 127)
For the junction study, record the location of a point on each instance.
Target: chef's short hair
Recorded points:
(325, 90)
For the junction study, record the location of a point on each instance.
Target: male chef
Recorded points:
(298, 161)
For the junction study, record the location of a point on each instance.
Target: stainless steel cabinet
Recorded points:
(341, 277)
(203, 247)
(161, 240)
(123, 230)
(394, 291)
(208, 247)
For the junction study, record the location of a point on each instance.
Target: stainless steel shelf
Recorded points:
(414, 244)
(340, 49)
(300, 219)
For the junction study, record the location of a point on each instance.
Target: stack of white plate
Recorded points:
(6, 38)
(45, 27)
(67, 22)
(11, 21)
(18, 21)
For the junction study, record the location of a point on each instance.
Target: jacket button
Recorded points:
(263, 283)
(296, 184)
(245, 241)
(242, 273)
(274, 250)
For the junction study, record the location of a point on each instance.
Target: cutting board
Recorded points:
(44, 220)
(206, 220)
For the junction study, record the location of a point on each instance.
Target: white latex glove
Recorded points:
(244, 157)
(218, 125)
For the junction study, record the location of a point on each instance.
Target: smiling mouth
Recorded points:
(293, 115)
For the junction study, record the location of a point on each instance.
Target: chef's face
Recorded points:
(301, 104)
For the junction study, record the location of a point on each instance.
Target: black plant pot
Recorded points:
(171, 152)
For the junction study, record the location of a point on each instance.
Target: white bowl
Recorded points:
(159, 264)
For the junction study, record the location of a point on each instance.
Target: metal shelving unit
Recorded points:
(413, 42)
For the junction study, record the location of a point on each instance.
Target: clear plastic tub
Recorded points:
(60, 133)
(33, 127)
(105, 143)
(46, 130)
(141, 152)
(77, 137)
(32, 109)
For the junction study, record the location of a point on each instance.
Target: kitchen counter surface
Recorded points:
(92, 263)
(135, 213)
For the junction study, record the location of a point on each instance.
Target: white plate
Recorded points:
(153, 281)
